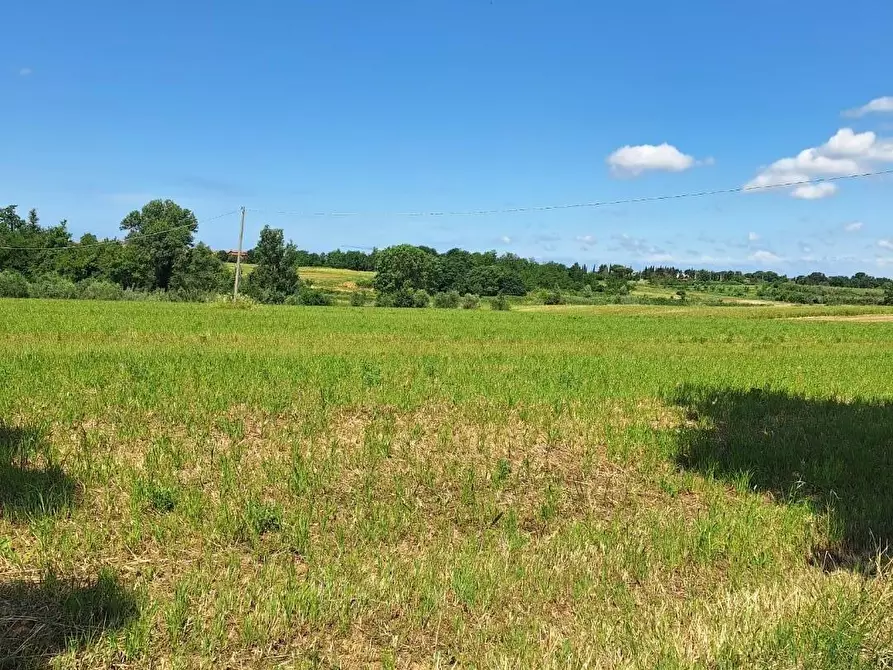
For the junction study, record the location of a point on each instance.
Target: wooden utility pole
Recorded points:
(239, 258)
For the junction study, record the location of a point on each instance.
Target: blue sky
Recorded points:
(428, 105)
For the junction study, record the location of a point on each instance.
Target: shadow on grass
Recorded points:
(836, 456)
(31, 483)
(38, 621)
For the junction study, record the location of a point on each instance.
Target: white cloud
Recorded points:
(753, 237)
(634, 160)
(763, 256)
(847, 143)
(25, 72)
(505, 239)
(586, 239)
(846, 153)
(814, 191)
(885, 244)
(883, 104)
(854, 227)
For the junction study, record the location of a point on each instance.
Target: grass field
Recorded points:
(329, 279)
(190, 486)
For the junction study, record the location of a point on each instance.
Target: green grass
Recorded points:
(628, 487)
(329, 279)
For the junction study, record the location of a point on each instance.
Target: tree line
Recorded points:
(159, 256)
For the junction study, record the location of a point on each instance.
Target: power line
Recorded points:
(580, 205)
(117, 241)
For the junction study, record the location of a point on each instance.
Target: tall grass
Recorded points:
(615, 487)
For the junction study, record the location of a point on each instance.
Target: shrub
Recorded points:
(13, 285)
(364, 283)
(587, 291)
(681, 295)
(358, 299)
(470, 301)
(420, 298)
(311, 297)
(500, 303)
(449, 300)
(100, 290)
(53, 286)
(314, 297)
(553, 298)
(384, 300)
(405, 297)
(888, 294)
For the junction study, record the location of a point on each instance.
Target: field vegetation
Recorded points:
(628, 486)
(159, 259)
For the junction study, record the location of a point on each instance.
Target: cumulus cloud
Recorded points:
(25, 72)
(505, 239)
(854, 227)
(753, 237)
(634, 160)
(878, 105)
(763, 256)
(814, 191)
(846, 153)
(885, 244)
(585, 239)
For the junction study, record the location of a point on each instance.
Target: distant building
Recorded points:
(235, 253)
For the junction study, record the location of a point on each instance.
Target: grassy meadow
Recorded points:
(333, 280)
(195, 486)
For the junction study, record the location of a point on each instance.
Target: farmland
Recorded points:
(191, 485)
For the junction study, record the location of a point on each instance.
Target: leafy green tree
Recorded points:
(888, 294)
(200, 272)
(275, 275)
(28, 240)
(159, 237)
(404, 267)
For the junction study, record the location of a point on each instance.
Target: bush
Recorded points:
(364, 283)
(405, 297)
(13, 285)
(587, 291)
(500, 303)
(358, 299)
(420, 298)
(449, 300)
(553, 298)
(53, 286)
(470, 301)
(384, 300)
(313, 297)
(100, 290)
